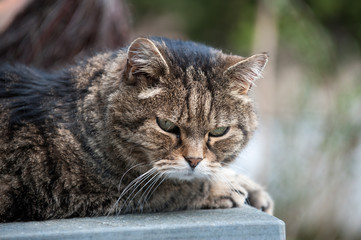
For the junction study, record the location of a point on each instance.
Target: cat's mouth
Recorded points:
(182, 170)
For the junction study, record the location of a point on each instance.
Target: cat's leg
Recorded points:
(230, 189)
(9, 191)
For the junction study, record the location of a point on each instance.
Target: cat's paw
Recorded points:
(225, 195)
(237, 189)
(261, 200)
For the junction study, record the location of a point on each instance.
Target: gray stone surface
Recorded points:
(237, 223)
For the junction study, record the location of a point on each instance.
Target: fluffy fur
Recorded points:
(85, 141)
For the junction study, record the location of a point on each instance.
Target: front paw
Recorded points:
(260, 199)
(223, 195)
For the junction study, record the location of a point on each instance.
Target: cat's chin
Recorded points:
(186, 175)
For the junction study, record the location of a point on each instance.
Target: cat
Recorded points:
(151, 127)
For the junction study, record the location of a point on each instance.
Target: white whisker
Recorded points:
(225, 180)
(151, 193)
(121, 179)
(140, 190)
(137, 184)
(234, 166)
(131, 185)
(146, 192)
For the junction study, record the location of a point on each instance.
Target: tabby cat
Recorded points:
(152, 127)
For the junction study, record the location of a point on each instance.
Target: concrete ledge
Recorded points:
(237, 223)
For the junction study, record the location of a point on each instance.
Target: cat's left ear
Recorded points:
(244, 72)
(143, 57)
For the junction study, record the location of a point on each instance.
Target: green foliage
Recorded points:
(223, 24)
(339, 17)
(313, 46)
(311, 28)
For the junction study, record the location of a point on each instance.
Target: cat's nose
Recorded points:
(193, 162)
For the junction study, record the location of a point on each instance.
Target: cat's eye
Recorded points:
(168, 126)
(218, 132)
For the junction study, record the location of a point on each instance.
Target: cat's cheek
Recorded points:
(227, 149)
(152, 138)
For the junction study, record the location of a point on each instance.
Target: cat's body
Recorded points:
(148, 128)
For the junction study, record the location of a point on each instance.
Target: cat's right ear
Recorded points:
(245, 72)
(144, 58)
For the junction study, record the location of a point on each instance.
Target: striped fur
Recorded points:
(85, 141)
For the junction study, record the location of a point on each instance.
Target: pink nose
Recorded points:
(193, 162)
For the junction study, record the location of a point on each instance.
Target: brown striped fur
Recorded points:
(85, 141)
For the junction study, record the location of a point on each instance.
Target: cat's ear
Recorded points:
(143, 57)
(244, 72)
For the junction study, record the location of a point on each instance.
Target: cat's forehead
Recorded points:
(194, 102)
(198, 76)
(186, 54)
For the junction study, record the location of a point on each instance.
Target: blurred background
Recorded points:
(307, 151)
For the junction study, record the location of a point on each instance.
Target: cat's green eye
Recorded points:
(167, 125)
(218, 132)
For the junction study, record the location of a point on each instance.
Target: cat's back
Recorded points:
(33, 104)
(46, 160)
(36, 109)
(27, 97)
(39, 111)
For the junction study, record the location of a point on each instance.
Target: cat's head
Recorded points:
(183, 107)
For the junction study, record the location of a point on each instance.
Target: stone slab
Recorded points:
(237, 223)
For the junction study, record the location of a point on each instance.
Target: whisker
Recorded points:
(225, 180)
(137, 184)
(121, 179)
(140, 190)
(150, 193)
(131, 185)
(146, 192)
(233, 165)
(149, 187)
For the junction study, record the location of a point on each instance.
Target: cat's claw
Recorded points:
(261, 200)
